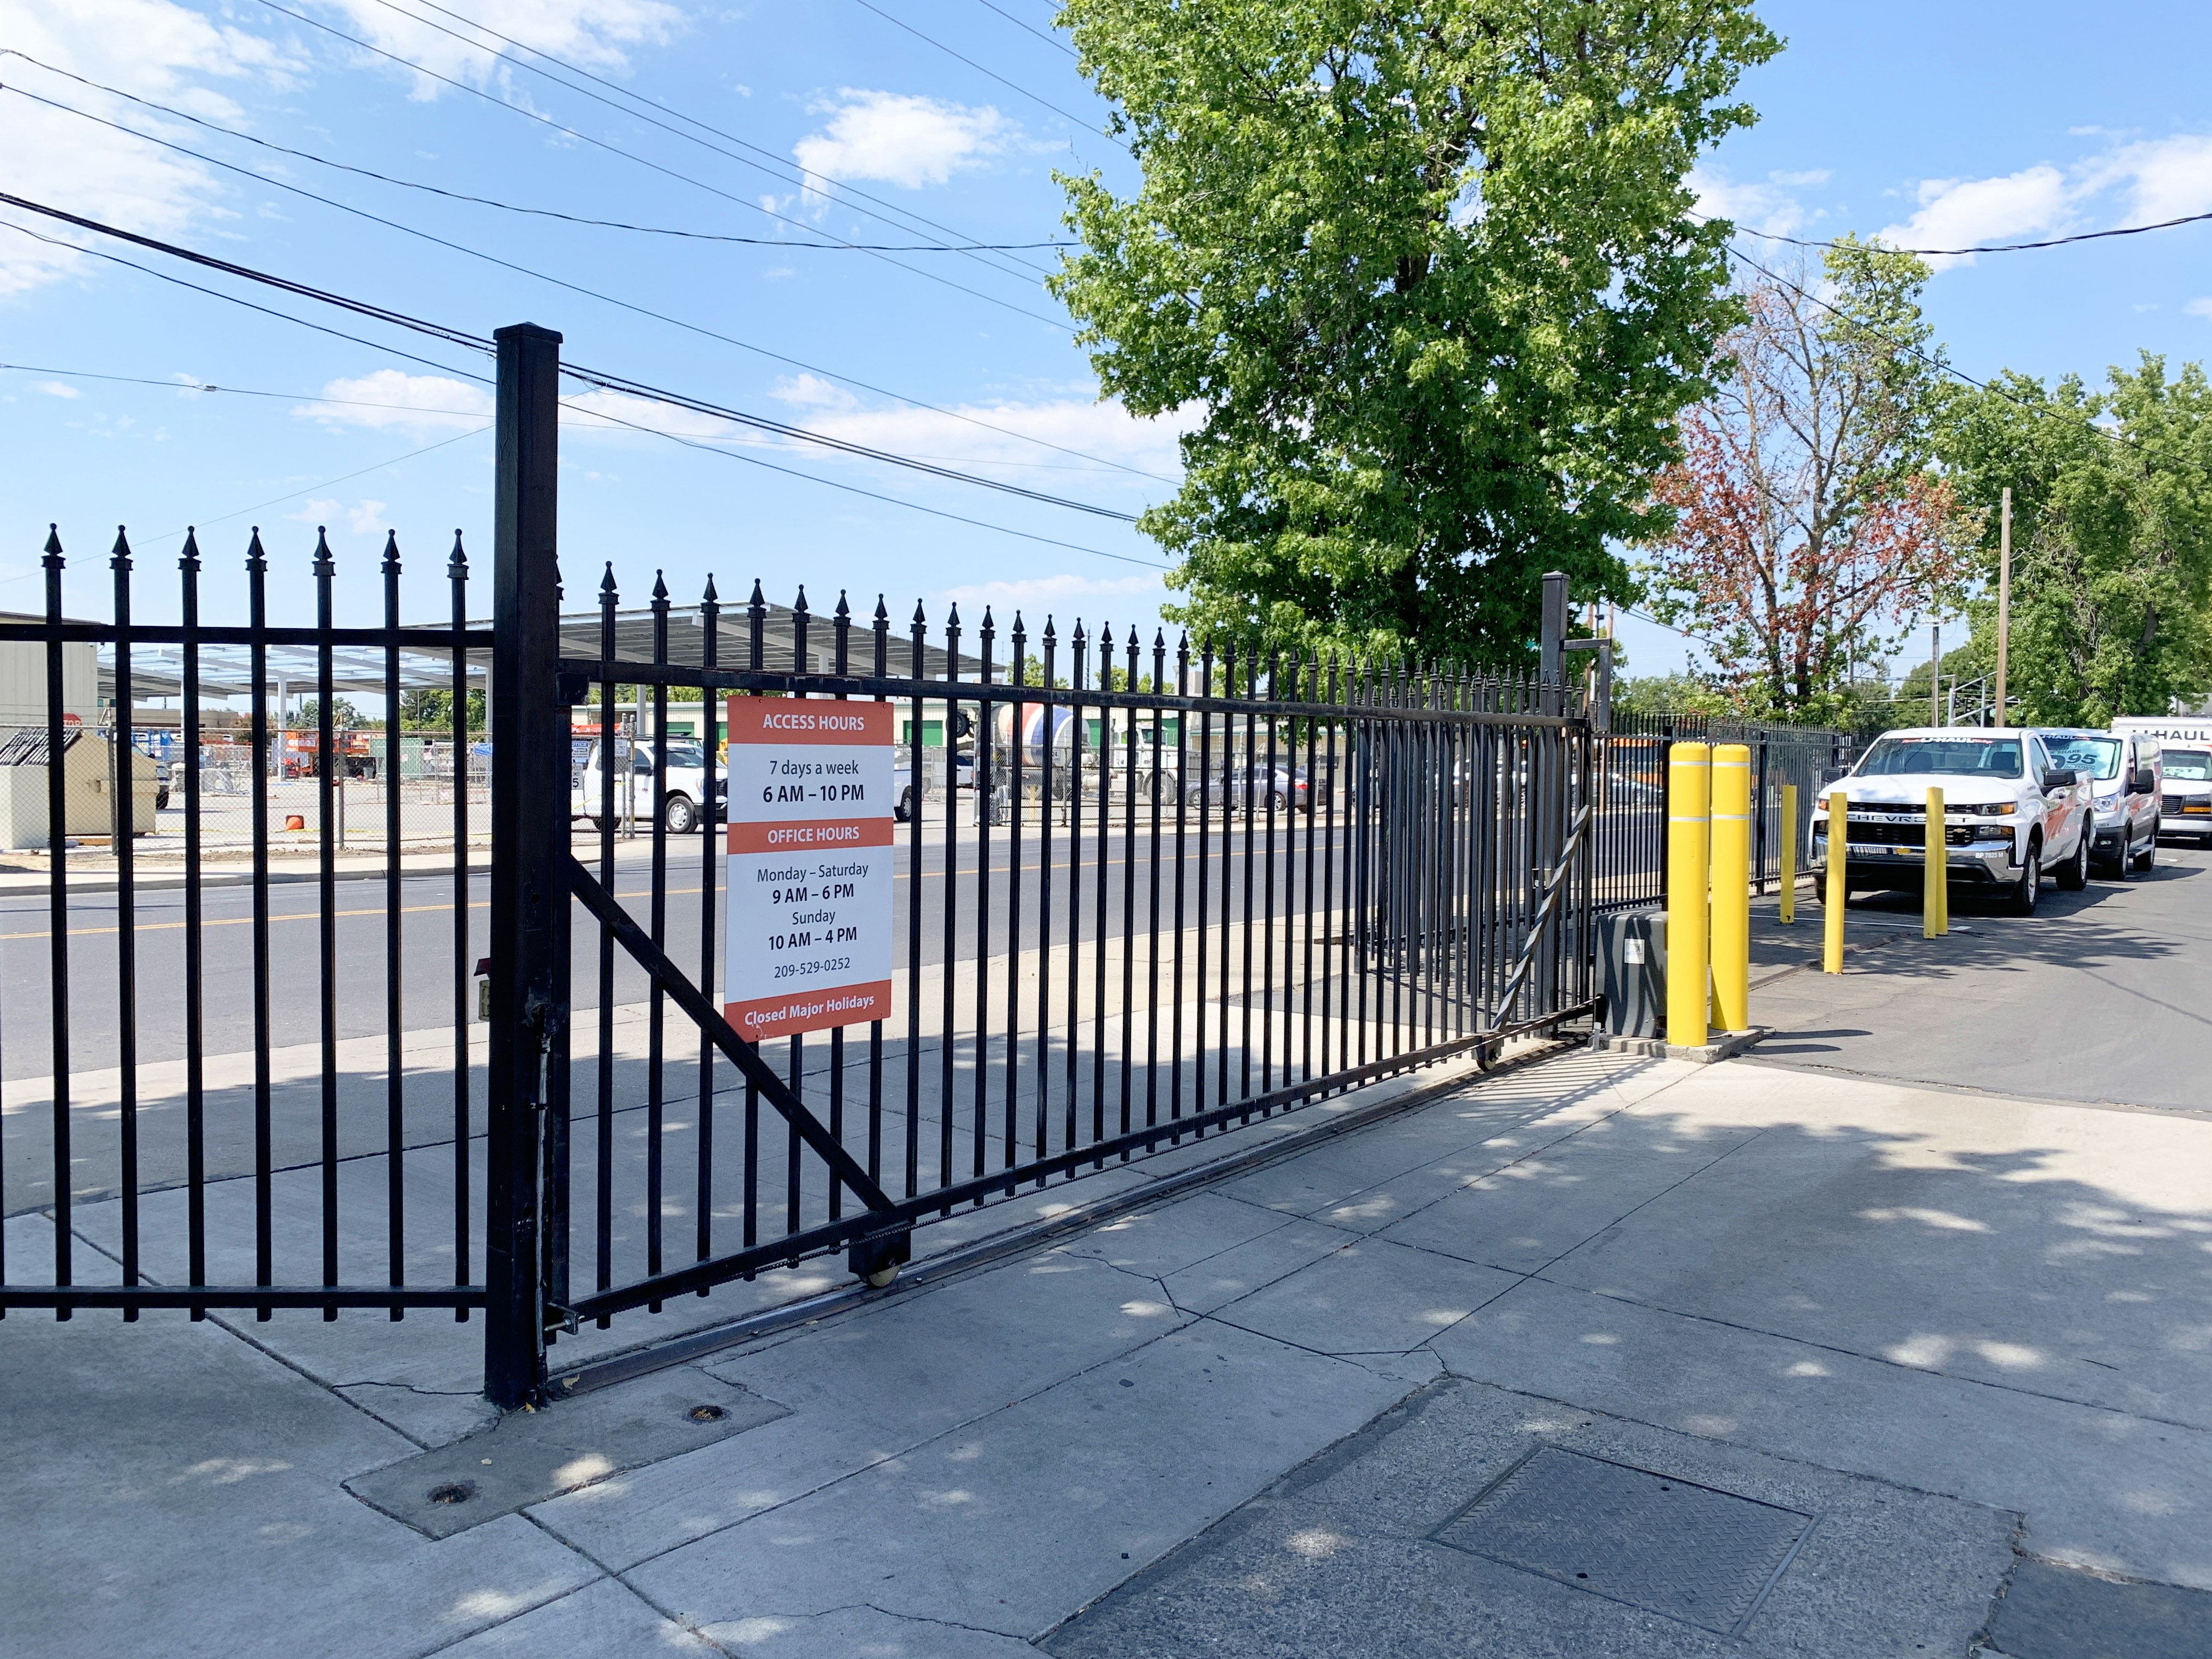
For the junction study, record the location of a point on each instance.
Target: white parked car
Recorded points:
(2010, 815)
(681, 793)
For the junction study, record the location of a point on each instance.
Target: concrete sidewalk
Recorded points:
(1599, 1355)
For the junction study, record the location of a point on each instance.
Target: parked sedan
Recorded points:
(1275, 789)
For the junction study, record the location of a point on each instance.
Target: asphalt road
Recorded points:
(426, 974)
(2103, 996)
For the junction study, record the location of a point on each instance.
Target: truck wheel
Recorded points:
(2073, 875)
(680, 815)
(2027, 891)
(2146, 859)
(904, 809)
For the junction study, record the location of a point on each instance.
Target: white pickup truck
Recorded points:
(2009, 815)
(681, 798)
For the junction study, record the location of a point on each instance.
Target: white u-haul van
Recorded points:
(2186, 788)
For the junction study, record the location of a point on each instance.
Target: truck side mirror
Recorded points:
(1834, 773)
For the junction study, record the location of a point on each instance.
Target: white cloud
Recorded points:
(899, 138)
(56, 389)
(1767, 205)
(2167, 178)
(1960, 212)
(2200, 308)
(812, 392)
(592, 32)
(151, 47)
(412, 403)
(366, 517)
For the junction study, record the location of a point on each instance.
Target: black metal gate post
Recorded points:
(529, 889)
(1551, 779)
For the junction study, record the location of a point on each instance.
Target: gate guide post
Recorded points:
(529, 820)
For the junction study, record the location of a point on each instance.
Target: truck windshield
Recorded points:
(1984, 757)
(2189, 765)
(2099, 756)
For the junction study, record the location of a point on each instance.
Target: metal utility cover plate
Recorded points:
(1704, 1557)
(527, 1457)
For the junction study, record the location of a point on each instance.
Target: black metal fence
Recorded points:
(1630, 856)
(1145, 894)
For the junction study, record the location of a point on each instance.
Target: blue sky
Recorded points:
(1941, 125)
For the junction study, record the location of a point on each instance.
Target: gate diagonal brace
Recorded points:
(1545, 914)
(874, 1257)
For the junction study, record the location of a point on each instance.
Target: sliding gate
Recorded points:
(1140, 893)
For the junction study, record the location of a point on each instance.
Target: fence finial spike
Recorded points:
(919, 619)
(800, 607)
(843, 609)
(53, 540)
(660, 589)
(607, 588)
(1050, 638)
(710, 597)
(882, 610)
(952, 616)
(255, 558)
(759, 600)
(391, 552)
(122, 559)
(190, 559)
(324, 564)
(987, 624)
(1160, 640)
(458, 560)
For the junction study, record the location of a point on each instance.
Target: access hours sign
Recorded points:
(809, 865)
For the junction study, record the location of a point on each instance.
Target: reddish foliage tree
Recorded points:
(1809, 528)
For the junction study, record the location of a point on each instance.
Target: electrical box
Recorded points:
(1631, 962)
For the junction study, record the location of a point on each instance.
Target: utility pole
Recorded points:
(1935, 675)
(2004, 594)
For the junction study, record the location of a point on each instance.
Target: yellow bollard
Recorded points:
(1935, 872)
(1689, 873)
(1839, 856)
(1788, 852)
(1731, 854)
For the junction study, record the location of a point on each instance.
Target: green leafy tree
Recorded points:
(1429, 278)
(2111, 537)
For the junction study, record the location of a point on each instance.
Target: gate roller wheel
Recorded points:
(883, 1276)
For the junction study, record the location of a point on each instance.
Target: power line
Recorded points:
(1940, 365)
(934, 512)
(208, 387)
(344, 477)
(1995, 247)
(452, 336)
(615, 149)
(1010, 85)
(653, 110)
(573, 288)
(1060, 45)
(776, 242)
(590, 377)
